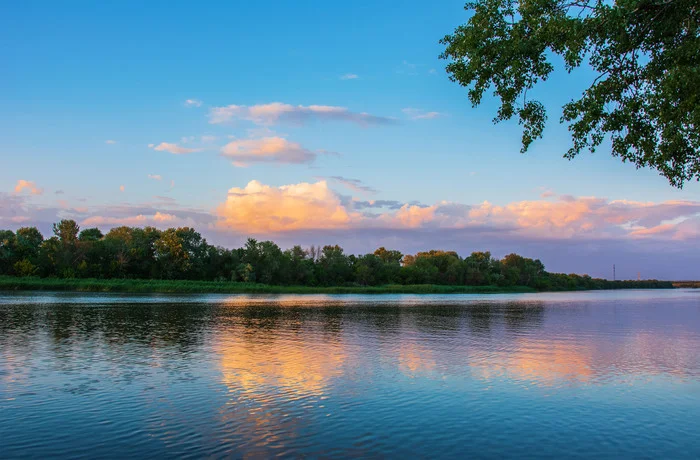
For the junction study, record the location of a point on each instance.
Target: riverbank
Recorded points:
(9, 283)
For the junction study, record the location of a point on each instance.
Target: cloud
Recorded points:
(259, 208)
(315, 206)
(349, 76)
(193, 103)
(155, 176)
(110, 141)
(277, 112)
(267, 150)
(59, 192)
(172, 148)
(418, 114)
(28, 185)
(121, 188)
(208, 139)
(137, 220)
(353, 184)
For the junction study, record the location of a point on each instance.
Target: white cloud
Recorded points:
(172, 148)
(28, 185)
(349, 76)
(267, 150)
(110, 141)
(193, 103)
(155, 176)
(418, 114)
(277, 112)
(208, 139)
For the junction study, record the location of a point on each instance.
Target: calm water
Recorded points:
(609, 374)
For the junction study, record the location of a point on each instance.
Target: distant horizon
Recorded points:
(344, 135)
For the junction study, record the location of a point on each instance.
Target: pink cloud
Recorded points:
(275, 112)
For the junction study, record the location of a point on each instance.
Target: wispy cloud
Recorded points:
(172, 148)
(353, 184)
(193, 103)
(349, 76)
(155, 176)
(267, 150)
(110, 141)
(28, 185)
(418, 114)
(277, 112)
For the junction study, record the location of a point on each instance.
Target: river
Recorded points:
(585, 374)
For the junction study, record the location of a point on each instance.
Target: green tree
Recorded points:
(7, 251)
(180, 253)
(90, 234)
(645, 54)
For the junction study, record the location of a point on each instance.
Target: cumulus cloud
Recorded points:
(172, 148)
(193, 103)
(349, 76)
(155, 176)
(277, 112)
(418, 114)
(315, 206)
(259, 208)
(28, 185)
(267, 150)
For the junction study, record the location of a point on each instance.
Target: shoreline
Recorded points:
(8, 283)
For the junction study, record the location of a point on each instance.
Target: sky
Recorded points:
(308, 122)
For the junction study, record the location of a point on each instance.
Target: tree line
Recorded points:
(183, 254)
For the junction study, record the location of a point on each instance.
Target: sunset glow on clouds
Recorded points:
(276, 112)
(266, 150)
(29, 186)
(259, 208)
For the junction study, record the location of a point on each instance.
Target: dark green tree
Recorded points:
(644, 98)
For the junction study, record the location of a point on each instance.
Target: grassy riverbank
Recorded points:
(10, 283)
(205, 287)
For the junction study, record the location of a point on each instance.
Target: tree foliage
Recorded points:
(645, 97)
(183, 254)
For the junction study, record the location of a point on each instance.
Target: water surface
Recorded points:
(593, 374)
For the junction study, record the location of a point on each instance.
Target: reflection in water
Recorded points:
(349, 375)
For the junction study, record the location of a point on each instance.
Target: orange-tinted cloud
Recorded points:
(28, 185)
(266, 150)
(261, 208)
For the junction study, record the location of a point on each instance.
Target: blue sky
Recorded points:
(78, 74)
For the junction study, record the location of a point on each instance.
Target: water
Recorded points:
(604, 374)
